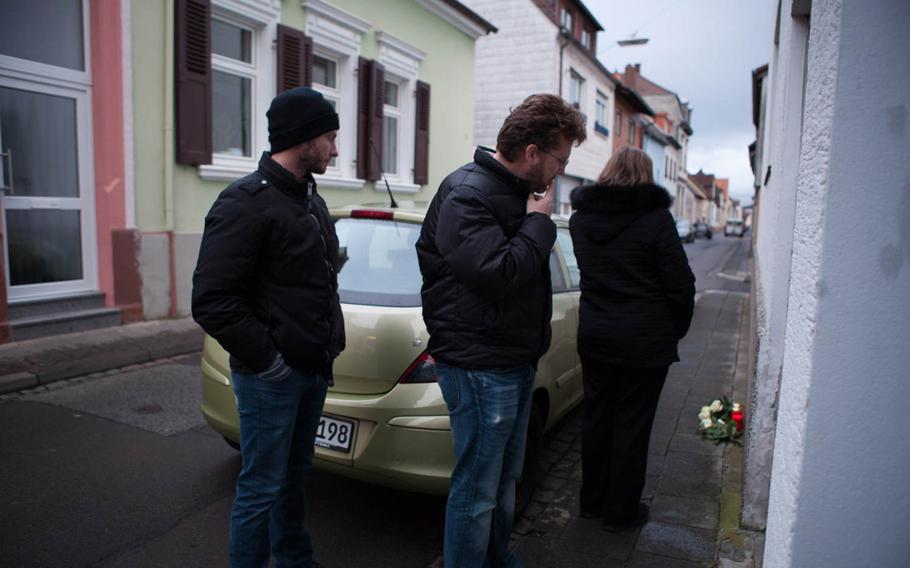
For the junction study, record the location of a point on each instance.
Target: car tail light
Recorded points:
(422, 370)
(370, 214)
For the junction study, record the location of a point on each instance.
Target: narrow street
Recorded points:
(119, 470)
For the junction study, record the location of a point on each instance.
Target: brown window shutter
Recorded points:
(364, 67)
(377, 96)
(193, 81)
(370, 76)
(422, 134)
(295, 59)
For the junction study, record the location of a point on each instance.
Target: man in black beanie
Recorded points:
(265, 287)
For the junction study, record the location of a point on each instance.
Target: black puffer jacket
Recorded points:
(487, 298)
(265, 281)
(637, 290)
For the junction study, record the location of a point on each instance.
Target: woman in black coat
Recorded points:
(637, 297)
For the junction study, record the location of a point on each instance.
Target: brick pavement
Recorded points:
(692, 485)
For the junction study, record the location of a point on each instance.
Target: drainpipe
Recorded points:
(563, 39)
(168, 132)
(168, 155)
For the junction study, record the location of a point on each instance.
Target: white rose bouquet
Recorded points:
(715, 421)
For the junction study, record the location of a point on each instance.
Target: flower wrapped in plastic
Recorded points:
(715, 421)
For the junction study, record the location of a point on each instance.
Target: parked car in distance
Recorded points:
(385, 420)
(734, 227)
(684, 228)
(703, 230)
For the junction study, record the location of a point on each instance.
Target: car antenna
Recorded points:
(389, 189)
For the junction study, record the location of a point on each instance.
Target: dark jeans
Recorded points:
(488, 411)
(620, 404)
(278, 421)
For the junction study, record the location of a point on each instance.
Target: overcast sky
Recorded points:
(705, 51)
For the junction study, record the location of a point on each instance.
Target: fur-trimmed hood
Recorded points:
(616, 206)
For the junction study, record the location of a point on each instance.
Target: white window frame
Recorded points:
(566, 19)
(575, 76)
(334, 94)
(338, 35)
(261, 18)
(64, 82)
(402, 63)
(394, 112)
(601, 111)
(585, 38)
(244, 70)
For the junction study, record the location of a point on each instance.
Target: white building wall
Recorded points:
(519, 60)
(773, 249)
(839, 491)
(589, 159)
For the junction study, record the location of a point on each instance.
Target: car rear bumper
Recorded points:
(401, 438)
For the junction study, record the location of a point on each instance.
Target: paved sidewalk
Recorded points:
(37, 362)
(693, 486)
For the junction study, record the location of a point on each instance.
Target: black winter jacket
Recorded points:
(265, 281)
(487, 297)
(637, 290)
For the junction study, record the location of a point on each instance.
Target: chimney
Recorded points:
(630, 77)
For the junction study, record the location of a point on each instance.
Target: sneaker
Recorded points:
(640, 518)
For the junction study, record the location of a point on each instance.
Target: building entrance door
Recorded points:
(45, 151)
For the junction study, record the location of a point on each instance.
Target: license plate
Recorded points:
(335, 434)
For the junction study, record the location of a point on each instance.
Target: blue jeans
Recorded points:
(489, 413)
(278, 421)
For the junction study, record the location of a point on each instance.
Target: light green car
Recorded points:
(385, 420)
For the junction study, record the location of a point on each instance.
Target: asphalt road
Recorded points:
(120, 470)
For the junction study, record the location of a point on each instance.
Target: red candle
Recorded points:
(737, 415)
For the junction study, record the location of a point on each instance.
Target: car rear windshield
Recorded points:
(379, 262)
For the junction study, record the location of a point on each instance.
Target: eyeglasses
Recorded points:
(562, 162)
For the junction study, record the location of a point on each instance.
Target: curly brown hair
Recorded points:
(539, 120)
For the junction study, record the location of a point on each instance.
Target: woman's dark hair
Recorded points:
(629, 166)
(540, 119)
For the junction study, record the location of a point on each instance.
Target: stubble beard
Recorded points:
(538, 183)
(310, 162)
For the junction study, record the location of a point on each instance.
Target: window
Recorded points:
(631, 130)
(326, 81)
(241, 59)
(336, 48)
(557, 278)
(576, 89)
(568, 252)
(586, 38)
(618, 123)
(391, 131)
(325, 75)
(600, 114)
(233, 81)
(379, 262)
(566, 20)
(400, 125)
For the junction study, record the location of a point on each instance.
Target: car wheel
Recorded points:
(530, 470)
(232, 443)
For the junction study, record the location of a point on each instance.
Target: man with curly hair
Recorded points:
(484, 254)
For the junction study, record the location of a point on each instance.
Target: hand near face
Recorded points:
(541, 204)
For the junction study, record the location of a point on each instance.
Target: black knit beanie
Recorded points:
(298, 115)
